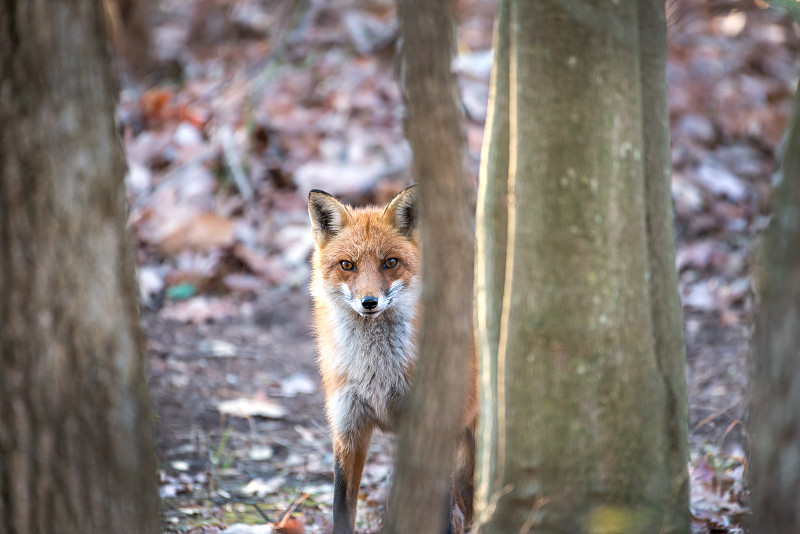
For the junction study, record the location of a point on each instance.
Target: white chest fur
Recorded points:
(374, 356)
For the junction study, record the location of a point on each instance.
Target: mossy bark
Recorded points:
(589, 396)
(775, 412)
(434, 411)
(76, 447)
(669, 344)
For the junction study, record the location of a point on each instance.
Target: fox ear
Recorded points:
(403, 210)
(328, 215)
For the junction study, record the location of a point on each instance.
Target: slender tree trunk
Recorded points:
(490, 256)
(775, 412)
(130, 33)
(591, 407)
(434, 412)
(669, 344)
(76, 449)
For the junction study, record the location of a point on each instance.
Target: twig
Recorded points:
(533, 516)
(301, 496)
(487, 512)
(174, 175)
(719, 413)
(234, 162)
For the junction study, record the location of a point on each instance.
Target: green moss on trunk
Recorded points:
(589, 403)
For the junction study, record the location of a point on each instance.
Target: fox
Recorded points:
(365, 287)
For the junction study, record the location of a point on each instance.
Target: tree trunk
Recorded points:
(591, 399)
(130, 33)
(775, 412)
(665, 302)
(76, 448)
(490, 256)
(434, 411)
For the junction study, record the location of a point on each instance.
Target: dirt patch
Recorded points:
(260, 355)
(209, 458)
(256, 101)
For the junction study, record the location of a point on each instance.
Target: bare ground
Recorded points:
(319, 100)
(195, 367)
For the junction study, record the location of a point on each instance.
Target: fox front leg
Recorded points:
(349, 456)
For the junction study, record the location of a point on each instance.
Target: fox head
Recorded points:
(366, 259)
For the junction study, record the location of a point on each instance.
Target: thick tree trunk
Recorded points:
(76, 449)
(434, 412)
(591, 409)
(775, 413)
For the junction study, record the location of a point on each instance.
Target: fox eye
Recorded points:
(346, 265)
(391, 263)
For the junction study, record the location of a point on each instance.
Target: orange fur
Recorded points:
(365, 285)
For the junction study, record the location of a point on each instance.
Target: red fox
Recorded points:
(365, 285)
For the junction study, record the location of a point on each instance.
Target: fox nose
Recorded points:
(369, 302)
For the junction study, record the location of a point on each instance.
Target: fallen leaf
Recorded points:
(187, 134)
(151, 281)
(338, 179)
(199, 232)
(292, 525)
(138, 178)
(721, 182)
(198, 310)
(244, 283)
(297, 383)
(258, 487)
(476, 65)
(241, 528)
(698, 296)
(217, 347)
(305, 434)
(258, 406)
(180, 465)
(259, 262)
(168, 491)
(260, 454)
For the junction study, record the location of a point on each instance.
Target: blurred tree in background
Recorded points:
(130, 32)
(775, 415)
(76, 444)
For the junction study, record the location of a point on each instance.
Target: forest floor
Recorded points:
(254, 102)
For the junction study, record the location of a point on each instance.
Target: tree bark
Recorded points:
(589, 396)
(775, 408)
(76, 448)
(130, 33)
(490, 256)
(665, 302)
(433, 414)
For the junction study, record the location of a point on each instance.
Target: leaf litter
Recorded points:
(255, 102)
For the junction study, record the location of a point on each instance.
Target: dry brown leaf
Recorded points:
(292, 525)
(198, 310)
(200, 232)
(257, 406)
